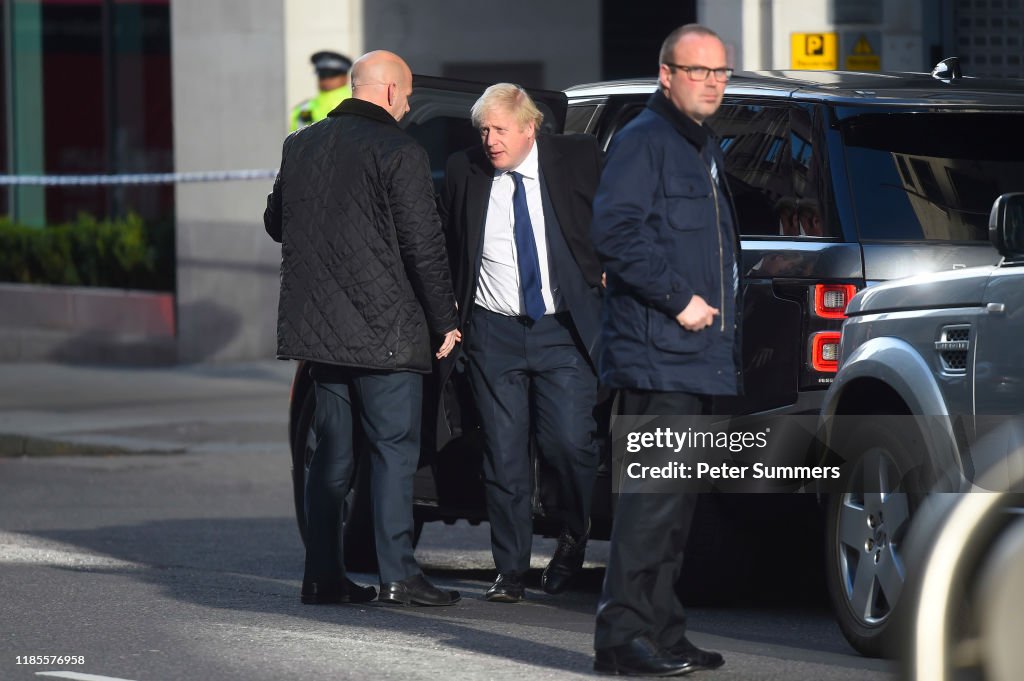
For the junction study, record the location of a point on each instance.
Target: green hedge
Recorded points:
(123, 253)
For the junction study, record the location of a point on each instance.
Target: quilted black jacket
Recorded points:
(364, 274)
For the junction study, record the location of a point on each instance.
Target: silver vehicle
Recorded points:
(937, 361)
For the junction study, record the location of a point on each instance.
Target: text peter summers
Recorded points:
(725, 471)
(736, 441)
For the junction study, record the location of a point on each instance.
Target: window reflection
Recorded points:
(773, 171)
(923, 177)
(97, 75)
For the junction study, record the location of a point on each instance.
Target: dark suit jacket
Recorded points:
(570, 170)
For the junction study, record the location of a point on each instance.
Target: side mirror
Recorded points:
(1006, 226)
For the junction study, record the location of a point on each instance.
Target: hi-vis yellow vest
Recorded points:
(317, 108)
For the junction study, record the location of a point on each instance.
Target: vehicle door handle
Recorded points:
(995, 308)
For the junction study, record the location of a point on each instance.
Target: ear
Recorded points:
(663, 75)
(392, 91)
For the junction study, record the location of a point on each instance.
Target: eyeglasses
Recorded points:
(700, 73)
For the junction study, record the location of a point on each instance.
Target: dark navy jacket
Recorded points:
(664, 230)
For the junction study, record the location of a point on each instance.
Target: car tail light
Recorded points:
(830, 300)
(825, 351)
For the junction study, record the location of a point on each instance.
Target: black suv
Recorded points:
(841, 180)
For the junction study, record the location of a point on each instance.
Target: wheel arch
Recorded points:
(887, 375)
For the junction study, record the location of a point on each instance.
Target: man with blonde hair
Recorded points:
(517, 215)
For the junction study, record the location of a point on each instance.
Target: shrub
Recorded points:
(122, 253)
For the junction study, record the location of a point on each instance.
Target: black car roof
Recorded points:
(846, 87)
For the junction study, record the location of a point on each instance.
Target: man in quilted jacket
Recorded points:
(365, 294)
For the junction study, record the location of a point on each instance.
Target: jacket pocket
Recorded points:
(688, 202)
(667, 335)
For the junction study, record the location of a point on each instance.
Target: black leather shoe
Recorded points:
(564, 565)
(346, 591)
(507, 588)
(641, 657)
(701, 659)
(416, 590)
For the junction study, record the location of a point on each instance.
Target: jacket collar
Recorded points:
(361, 107)
(687, 127)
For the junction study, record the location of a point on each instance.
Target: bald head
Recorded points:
(383, 78)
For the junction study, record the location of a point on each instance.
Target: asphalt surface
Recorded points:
(146, 525)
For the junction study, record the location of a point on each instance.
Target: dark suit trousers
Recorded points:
(645, 556)
(389, 406)
(525, 374)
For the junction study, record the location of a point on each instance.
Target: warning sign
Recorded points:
(861, 51)
(815, 51)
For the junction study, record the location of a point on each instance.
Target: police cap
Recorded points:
(329, 64)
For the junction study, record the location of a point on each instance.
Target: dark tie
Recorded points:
(526, 248)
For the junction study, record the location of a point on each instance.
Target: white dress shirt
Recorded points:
(498, 285)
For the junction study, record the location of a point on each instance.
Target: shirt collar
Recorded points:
(529, 168)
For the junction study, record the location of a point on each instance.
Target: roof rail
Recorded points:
(948, 70)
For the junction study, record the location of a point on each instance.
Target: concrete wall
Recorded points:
(564, 35)
(746, 28)
(229, 85)
(311, 26)
(757, 32)
(91, 325)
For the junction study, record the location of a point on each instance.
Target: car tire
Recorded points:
(360, 549)
(865, 530)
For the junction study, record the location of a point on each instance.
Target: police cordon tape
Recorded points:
(137, 178)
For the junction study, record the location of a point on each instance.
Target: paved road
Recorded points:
(183, 567)
(183, 564)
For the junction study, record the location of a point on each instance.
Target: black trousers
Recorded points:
(531, 375)
(649, 534)
(389, 406)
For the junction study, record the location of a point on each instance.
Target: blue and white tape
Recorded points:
(137, 178)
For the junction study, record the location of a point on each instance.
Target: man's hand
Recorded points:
(450, 339)
(697, 315)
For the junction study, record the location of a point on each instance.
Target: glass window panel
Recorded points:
(954, 179)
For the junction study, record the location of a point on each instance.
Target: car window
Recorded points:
(931, 176)
(774, 171)
(578, 117)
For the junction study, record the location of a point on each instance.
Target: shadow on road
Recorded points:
(255, 564)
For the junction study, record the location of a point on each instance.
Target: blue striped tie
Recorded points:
(526, 248)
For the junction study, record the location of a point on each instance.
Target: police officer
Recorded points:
(332, 75)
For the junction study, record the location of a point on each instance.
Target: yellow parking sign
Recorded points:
(816, 51)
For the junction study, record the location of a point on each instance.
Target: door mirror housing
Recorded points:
(1006, 226)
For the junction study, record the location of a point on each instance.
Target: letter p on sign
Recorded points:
(815, 44)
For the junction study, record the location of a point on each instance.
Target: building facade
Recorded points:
(150, 86)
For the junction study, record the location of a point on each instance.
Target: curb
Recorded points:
(13, 446)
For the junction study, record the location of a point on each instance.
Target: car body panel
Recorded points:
(957, 288)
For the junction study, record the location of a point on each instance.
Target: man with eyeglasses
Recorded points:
(664, 229)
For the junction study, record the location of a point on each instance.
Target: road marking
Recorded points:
(79, 676)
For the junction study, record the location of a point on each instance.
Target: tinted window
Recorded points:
(773, 170)
(577, 118)
(924, 176)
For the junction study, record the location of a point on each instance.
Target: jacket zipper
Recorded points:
(721, 255)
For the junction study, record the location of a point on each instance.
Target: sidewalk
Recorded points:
(55, 409)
